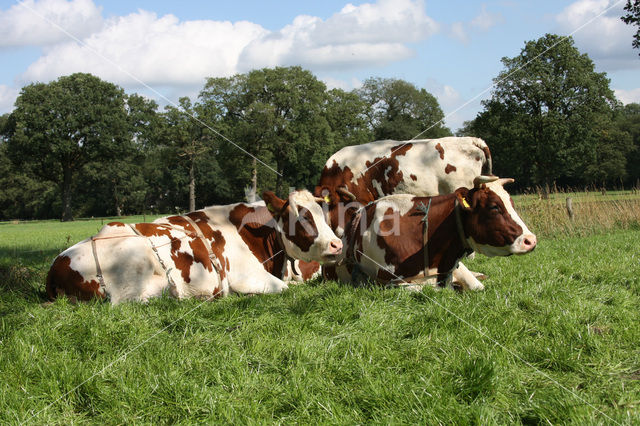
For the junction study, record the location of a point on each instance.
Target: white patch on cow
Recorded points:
(378, 187)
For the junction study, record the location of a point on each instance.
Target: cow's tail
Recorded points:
(487, 167)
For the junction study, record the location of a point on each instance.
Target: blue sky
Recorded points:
(166, 49)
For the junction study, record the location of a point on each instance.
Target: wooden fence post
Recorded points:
(570, 208)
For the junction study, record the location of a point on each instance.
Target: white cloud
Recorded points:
(334, 83)
(459, 33)
(369, 34)
(154, 50)
(38, 22)
(628, 96)
(452, 104)
(166, 51)
(606, 38)
(8, 97)
(483, 22)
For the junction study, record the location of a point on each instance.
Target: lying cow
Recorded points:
(357, 175)
(386, 240)
(238, 248)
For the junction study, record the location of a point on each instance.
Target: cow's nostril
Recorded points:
(335, 245)
(530, 241)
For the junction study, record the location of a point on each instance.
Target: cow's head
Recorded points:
(491, 224)
(305, 233)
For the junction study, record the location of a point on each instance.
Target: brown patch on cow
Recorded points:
(404, 249)
(478, 159)
(384, 276)
(202, 220)
(153, 230)
(440, 149)
(181, 222)
(301, 238)
(183, 262)
(198, 246)
(449, 169)
(117, 224)
(384, 170)
(307, 269)
(217, 247)
(260, 236)
(413, 177)
(63, 280)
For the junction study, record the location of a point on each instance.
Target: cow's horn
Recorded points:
(505, 181)
(344, 191)
(484, 179)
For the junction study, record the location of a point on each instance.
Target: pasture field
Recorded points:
(552, 339)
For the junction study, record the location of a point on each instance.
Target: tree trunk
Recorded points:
(67, 214)
(280, 178)
(251, 197)
(192, 186)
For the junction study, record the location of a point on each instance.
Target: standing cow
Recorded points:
(403, 238)
(359, 174)
(240, 248)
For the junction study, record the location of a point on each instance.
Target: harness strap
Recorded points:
(425, 238)
(199, 234)
(355, 225)
(463, 240)
(103, 287)
(155, 250)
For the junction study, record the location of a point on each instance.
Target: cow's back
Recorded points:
(423, 167)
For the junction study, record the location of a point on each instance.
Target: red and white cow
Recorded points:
(240, 248)
(385, 239)
(427, 167)
(359, 174)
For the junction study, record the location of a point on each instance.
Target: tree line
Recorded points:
(81, 146)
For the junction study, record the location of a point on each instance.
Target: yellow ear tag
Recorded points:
(465, 204)
(327, 199)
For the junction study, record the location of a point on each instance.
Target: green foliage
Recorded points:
(553, 339)
(399, 110)
(632, 17)
(628, 121)
(551, 118)
(286, 119)
(58, 128)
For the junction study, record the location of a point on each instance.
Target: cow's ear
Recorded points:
(460, 195)
(274, 204)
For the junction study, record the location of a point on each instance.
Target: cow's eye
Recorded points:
(494, 209)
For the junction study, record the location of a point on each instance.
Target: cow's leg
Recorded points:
(260, 283)
(466, 279)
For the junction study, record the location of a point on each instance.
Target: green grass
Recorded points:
(552, 339)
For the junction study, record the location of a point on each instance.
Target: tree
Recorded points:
(633, 18)
(275, 115)
(550, 118)
(117, 186)
(628, 121)
(399, 110)
(185, 132)
(59, 127)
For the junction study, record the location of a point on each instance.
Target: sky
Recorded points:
(166, 49)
